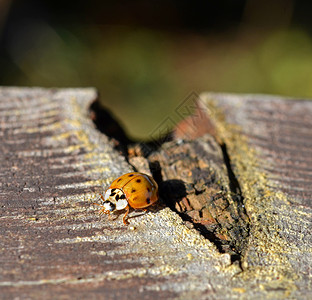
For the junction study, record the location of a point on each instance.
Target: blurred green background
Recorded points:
(146, 57)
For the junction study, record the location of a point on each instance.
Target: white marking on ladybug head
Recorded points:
(107, 194)
(109, 206)
(121, 204)
(111, 194)
(115, 199)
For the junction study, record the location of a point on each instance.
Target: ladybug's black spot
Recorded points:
(133, 190)
(148, 189)
(148, 200)
(117, 197)
(138, 180)
(123, 196)
(113, 192)
(130, 175)
(112, 206)
(118, 179)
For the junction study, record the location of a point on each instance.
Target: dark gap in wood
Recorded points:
(234, 184)
(155, 169)
(106, 123)
(168, 189)
(235, 188)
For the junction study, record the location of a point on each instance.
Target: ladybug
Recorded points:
(133, 189)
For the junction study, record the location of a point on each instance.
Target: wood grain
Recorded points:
(54, 163)
(269, 144)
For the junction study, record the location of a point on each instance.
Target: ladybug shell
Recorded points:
(140, 189)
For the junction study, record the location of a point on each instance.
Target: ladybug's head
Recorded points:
(115, 199)
(109, 206)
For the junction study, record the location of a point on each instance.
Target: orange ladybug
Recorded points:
(133, 189)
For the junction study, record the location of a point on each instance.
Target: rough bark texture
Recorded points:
(244, 190)
(194, 182)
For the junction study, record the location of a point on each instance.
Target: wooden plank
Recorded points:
(54, 162)
(269, 142)
(281, 132)
(53, 243)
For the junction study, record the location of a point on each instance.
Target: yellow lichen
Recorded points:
(264, 233)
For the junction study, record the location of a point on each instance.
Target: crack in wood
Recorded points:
(195, 179)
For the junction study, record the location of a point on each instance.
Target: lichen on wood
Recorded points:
(55, 162)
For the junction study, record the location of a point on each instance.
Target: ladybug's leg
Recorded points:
(103, 210)
(125, 215)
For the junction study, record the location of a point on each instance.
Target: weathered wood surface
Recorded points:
(194, 183)
(269, 140)
(54, 162)
(53, 243)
